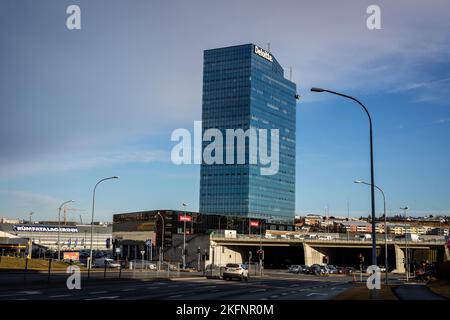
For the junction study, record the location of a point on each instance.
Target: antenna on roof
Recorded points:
(268, 46)
(290, 73)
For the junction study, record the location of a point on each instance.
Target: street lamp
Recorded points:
(30, 242)
(372, 182)
(92, 220)
(184, 236)
(161, 257)
(59, 225)
(406, 246)
(385, 229)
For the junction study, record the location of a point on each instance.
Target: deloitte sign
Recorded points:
(263, 53)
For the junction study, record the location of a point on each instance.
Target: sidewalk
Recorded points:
(416, 292)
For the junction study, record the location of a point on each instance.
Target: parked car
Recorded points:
(303, 269)
(102, 262)
(340, 270)
(332, 269)
(139, 264)
(349, 270)
(294, 269)
(235, 271)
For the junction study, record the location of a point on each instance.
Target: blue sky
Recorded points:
(76, 106)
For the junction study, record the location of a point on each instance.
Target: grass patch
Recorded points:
(13, 263)
(360, 292)
(440, 287)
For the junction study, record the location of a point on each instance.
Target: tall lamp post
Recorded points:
(385, 229)
(30, 242)
(372, 182)
(92, 220)
(406, 246)
(59, 225)
(184, 236)
(161, 254)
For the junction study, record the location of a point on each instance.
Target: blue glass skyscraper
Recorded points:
(244, 87)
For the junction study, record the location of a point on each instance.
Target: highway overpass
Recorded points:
(344, 252)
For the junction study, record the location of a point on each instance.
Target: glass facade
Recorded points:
(244, 87)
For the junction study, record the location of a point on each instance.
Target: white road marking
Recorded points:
(317, 294)
(60, 296)
(98, 292)
(274, 296)
(125, 290)
(29, 292)
(258, 290)
(102, 298)
(177, 296)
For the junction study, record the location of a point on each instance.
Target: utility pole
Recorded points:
(184, 237)
(406, 245)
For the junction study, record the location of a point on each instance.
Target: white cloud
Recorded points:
(62, 163)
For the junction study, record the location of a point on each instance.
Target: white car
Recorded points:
(235, 271)
(102, 262)
(139, 264)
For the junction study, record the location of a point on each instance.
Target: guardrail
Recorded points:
(380, 240)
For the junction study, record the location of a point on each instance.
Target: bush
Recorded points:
(443, 271)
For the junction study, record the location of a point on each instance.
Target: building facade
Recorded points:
(72, 236)
(244, 88)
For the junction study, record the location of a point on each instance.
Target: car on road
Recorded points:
(235, 271)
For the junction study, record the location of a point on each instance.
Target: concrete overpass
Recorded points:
(278, 252)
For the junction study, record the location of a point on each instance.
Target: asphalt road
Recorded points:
(271, 287)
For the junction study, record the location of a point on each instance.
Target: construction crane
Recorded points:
(70, 209)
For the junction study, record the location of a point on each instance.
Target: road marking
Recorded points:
(125, 290)
(177, 296)
(258, 290)
(294, 285)
(207, 287)
(173, 286)
(284, 293)
(102, 298)
(274, 296)
(317, 294)
(60, 296)
(98, 292)
(29, 292)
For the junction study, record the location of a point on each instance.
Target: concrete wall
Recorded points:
(399, 256)
(314, 255)
(221, 255)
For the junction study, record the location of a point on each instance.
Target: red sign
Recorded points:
(254, 224)
(74, 256)
(184, 218)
